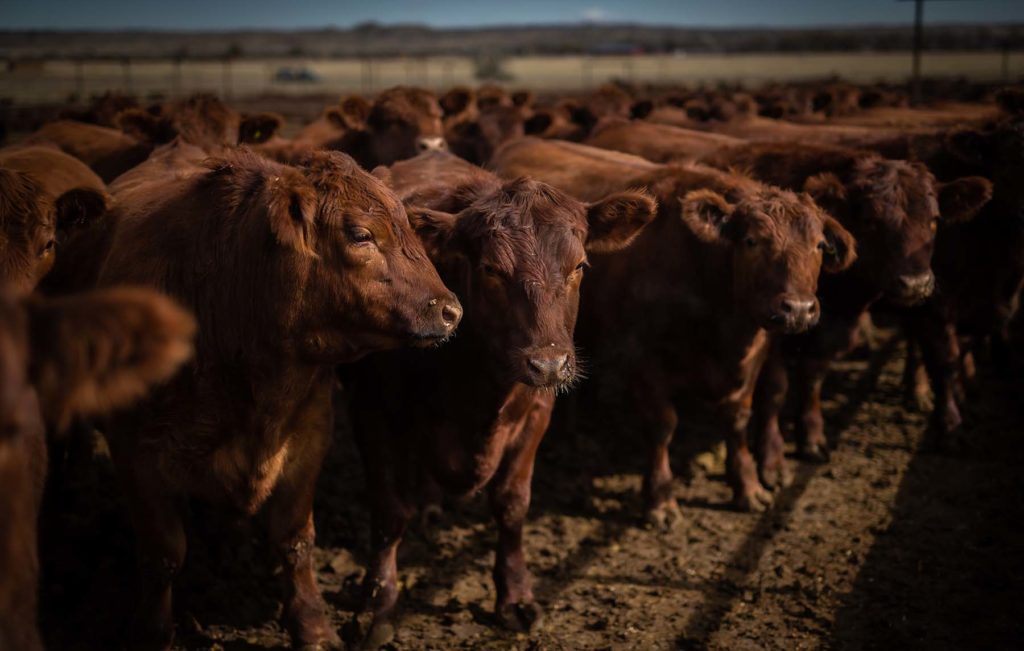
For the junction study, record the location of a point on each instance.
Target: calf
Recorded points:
(471, 415)
(893, 209)
(289, 271)
(47, 199)
(689, 305)
(59, 359)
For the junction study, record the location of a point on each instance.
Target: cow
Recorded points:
(203, 120)
(470, 416)
(289, 271)
(102, 110)
(63, 358)
(979, 266)
(689, 306)
(47, 200)
(108, 152)
(400, 123)
(659, 143)
(893, 209)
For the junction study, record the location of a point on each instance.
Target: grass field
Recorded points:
(57, 80)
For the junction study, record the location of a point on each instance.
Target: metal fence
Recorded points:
(58, 81)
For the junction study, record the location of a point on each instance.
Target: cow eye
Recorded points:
(935, 224)
(491, 270)
(823, 246)
(582, 265)
(360, 235)
(750, 242)
(48, 248)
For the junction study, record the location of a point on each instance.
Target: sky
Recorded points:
(296, 14)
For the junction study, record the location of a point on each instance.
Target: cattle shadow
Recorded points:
(948, 572)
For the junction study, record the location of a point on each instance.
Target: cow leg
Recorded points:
(292, 535)
(916, 389)
(510, 501)
(810, 424)
(741, 470)
(769, 398)
(161, 545)
(389, 519)
(658, 421)
(941, 352)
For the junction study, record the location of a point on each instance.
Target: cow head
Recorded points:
(401, 123)
(778, 243)
(515, 252)
(893, 209)
(348, 275)
(36, 216)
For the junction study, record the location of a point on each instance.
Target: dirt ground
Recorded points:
(886, 547)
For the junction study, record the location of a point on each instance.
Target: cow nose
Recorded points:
(435, 143)
(548, 368)
(451, 311)
(795, 313)
(917, 287)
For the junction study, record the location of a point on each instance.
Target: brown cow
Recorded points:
(893, 209)
(108, 152)
(289, 271)
(979, 266)
(687, 307)
(60, 359)
(659, 143)
(471, 415)
(400, 123)
(47, 199)
(203, 120)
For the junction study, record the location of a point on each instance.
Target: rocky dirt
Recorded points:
(888, 546)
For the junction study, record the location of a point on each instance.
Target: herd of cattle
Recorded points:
(732, 244)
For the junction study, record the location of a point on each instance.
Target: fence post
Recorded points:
(126, 68)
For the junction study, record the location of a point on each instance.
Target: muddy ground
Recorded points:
(887, 547)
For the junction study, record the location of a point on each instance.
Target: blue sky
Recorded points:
(292, 14)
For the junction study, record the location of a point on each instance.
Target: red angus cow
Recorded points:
(290, 271)
(688, 306)
(470, 415)
(61, 359)
(893, 209)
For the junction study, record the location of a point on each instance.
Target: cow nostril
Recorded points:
(813, 309)
(786, 307)
(451, 314)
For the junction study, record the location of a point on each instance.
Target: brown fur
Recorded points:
(289, 271)
(472, 414)
(108, 152)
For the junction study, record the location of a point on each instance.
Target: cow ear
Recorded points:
(840, 247)
(970, 146)
(456, 101)
(383, 172)
(353, 113)
(522, 98)
(433, 227)
(960, 200)
(80, 206)
(706, 213)
(538, 123)
(641, 109)
(617, 219)
(146, 126)
(827, 190)
(258, 128)
(583, 116)
(98, 351)
(291, 209)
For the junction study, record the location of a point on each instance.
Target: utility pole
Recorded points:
(915, 92)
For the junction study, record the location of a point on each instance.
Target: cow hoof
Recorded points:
(814, 453)
(519, 617)
(380, 633)
(664, 517)
(753, 500)
(780, 476)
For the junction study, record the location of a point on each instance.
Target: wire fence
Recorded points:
(59, 81)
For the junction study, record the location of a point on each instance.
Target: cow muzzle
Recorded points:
(443, 316)
(549, 367)
(434, 143)
(912, 289)
(793, 313)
